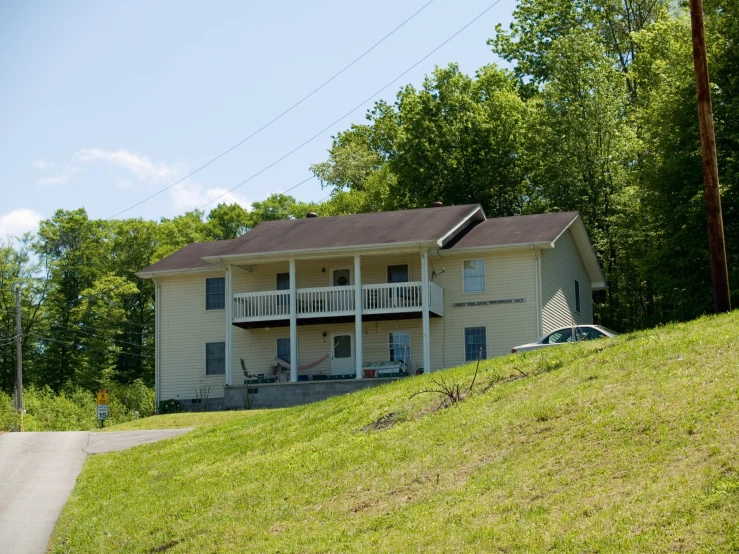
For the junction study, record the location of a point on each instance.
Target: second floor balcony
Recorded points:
(321, 304)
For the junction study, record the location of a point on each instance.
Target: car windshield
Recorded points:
(609, 331)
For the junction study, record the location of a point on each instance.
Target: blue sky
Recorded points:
(104, 103)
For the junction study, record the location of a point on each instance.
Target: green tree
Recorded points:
(78, 250)
(228, 221)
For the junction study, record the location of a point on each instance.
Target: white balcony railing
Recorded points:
(381, 298)
(257, 306)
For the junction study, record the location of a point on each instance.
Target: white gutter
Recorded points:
(175, 272)
(518, 246)
(306, 253)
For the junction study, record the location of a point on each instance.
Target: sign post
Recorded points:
(102, 406)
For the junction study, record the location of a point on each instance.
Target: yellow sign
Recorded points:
(103, 396)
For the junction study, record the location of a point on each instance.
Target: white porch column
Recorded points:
(229, 326)
(358, 316)
(293, 323)
(425, 301)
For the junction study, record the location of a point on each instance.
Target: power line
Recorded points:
(347, 114)
(49, 339)
(248, 237)
(78, 330)
(279, 116)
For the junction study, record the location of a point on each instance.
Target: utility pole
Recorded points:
(716, 241)
(18, 354)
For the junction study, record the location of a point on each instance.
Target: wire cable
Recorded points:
(263, 127)
(84, 347)
(347, 114)
(241, 243)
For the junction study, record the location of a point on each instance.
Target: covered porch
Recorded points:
(266, 297)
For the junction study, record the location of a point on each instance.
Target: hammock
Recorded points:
(286, 365)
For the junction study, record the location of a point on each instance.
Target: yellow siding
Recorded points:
(560, 267)
(185, 328)
(508, 275)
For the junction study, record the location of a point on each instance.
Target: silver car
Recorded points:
(564, 335)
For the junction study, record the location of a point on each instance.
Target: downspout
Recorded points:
(229, 321)
(537, 296)
(157, 341)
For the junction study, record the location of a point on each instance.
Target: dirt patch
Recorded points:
(385, 422)
(166, 546)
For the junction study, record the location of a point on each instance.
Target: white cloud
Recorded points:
(18, 222)
(187, 195)
(60, 179)
(141, 166)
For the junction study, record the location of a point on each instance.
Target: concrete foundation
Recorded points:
(282, 395)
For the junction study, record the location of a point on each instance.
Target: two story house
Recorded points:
(297, 310)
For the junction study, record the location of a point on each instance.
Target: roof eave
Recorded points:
(308, 253)
(174, 272)
(454, 231)
(514, 246)
(587, 253)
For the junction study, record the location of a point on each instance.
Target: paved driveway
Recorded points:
(37, 473)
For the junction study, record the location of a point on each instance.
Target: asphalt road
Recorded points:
(38, 472)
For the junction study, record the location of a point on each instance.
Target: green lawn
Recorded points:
(178, 421)
(629, 445)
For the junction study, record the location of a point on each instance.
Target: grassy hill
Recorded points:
(624, 445)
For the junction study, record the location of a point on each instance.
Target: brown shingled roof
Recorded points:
(189, 257)
(402, 226)
(509, 231)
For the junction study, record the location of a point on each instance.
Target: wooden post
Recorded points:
(716, 241)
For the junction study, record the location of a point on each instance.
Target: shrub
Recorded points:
(74, 408)
(170, 406)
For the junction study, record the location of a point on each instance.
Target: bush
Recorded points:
(170, 406)
(74, 408)
(8, 415)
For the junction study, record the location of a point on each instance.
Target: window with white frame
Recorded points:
(215, 358)
(283, 349)
(400, 347)
(215, 293)
(474, 275)
(577, 296)
(475, 344)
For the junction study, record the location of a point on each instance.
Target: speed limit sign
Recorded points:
(102, 412)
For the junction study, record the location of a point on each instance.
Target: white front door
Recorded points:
(342, 353)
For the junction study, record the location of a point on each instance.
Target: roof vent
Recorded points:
(437, 204)
(310, 215)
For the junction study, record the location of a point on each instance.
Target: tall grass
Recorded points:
(74, 409)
